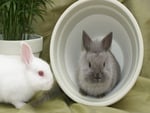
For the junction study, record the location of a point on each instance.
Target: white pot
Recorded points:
(13, 47)
(97, 18)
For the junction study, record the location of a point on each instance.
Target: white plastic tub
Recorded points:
(97, 18)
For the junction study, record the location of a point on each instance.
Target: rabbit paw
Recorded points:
(101, 95)
(19, 105)
(83, 92)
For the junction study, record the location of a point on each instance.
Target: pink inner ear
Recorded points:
(26, 53)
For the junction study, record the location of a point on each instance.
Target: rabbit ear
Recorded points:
(26, 53)
(86, 41)
(106, 42)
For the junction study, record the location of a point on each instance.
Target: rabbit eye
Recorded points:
(104, 64)
(89, 65)
(41, 73)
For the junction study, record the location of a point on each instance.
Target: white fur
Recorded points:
(20, 81)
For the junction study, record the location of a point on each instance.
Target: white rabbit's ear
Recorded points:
(26, 53)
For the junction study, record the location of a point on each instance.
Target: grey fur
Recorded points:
(99, 71)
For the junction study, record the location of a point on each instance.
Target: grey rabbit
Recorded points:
(99, 72)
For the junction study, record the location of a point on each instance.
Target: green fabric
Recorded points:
(136, 101)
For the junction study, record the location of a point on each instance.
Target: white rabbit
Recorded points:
(99, 71)
(22, 76)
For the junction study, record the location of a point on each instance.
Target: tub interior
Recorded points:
(97, 21)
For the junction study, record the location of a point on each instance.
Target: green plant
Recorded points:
(16, 17)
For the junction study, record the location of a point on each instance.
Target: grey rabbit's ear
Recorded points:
(86, 41)
(106, 42)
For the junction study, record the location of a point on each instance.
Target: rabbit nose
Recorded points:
(97, 76)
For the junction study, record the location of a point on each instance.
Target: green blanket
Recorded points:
(136, 101)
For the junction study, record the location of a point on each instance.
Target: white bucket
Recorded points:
(97, 18)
